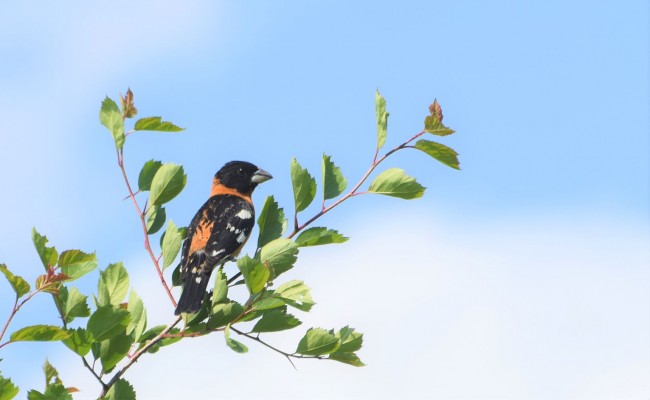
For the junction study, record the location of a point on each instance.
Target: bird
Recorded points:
(219, 230)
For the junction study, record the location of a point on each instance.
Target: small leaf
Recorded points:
(382, 119)
(276, 320)
(51, 374)
(147, 173)
(48, 255)
(167, 183)
(156, 124)
(39, 333)
(114, 350)
(79, 341)
(128, 107)
(138, 322)
(171, 244)
(107, 322)
(318, 342)
(156, 216)
(111, 117)
(18, 284)
(440, 152)
(436, 110)
(394, 182)
(121, 390)
(224, 313)
(279, 254)
(76, 263)
(334, 183)
(113, 285)
(73, 303)
(346, 358)
(232, 343)
(304, 186)
(271, 221)
(349, 340)
(296, 294)
(433, 121)
(220, 292)
(268, 301)
(7, 389)
(256, 274)
(317, 236)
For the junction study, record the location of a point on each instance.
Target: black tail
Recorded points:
(193, 292)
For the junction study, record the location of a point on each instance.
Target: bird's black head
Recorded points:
(241, 176)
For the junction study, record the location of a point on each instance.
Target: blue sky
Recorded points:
(525, 275)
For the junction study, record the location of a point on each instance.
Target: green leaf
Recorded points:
(51, 374)
(48, 255)
(349, 340)
(121, 390)
(156, 124)
(156, 216)
(171, 243)
(113, 285)
(394, 182)
(304, 186)
(268, 301)
(382, 119)
(39, 333)
(334, 183)
(7, 389)
(138, 322)
(317, 236)
(18, 284)
(73, 303)
(276, 320)
(79, 341)
(114, 350)
(220, 292)
(256, 274)
(296, 294)
(111, 117)
(279, 254)
(223, 314)
(434, 126)
(76, 263)
(52, 392)
(271, 221)
(147, 173)
(232, 343)
(167, 183)
(318, 342)
(107, 322)
(440, 152)
(346, 358)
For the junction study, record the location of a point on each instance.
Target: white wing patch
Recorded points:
(244, 214)
(215, 252)
(242, 237)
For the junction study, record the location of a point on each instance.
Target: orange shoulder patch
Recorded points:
(219, 188)
(202, 234)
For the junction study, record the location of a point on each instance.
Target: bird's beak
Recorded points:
(261, 176)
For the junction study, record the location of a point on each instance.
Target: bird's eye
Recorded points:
(240, 172)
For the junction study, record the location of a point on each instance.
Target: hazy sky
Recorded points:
(526, 275)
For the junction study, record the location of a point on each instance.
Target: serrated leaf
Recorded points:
(128, 107)
(51, 374)
(276, 320)
(79, 341)
(223, 314)
(113, 285)
(39, 333)
(296, 294)
(76, 263)
(156, 124)
(255, 273)
(279, 254)
(171, 244)
(18, 284)
(271, 222)
(113, 350)
(48, 255)
(318, 342)
(349, 340)
(433, 121)
(220, 292)
(317, 236)
(167, 183)
(394, 182)
(111, 117)
(346, 358)
(138, 322)
(147, 173)
(7, 389)
(107, 322)
(268, 301)
(232, 343)
(52, 392)
(304, 186)
(440, 152)
(121, 390)
(334, 183)
(156, 216)
(73, 303)
(382, 119)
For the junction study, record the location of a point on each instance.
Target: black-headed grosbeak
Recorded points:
(219, 229)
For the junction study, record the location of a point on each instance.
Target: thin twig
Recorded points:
(92, 371)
